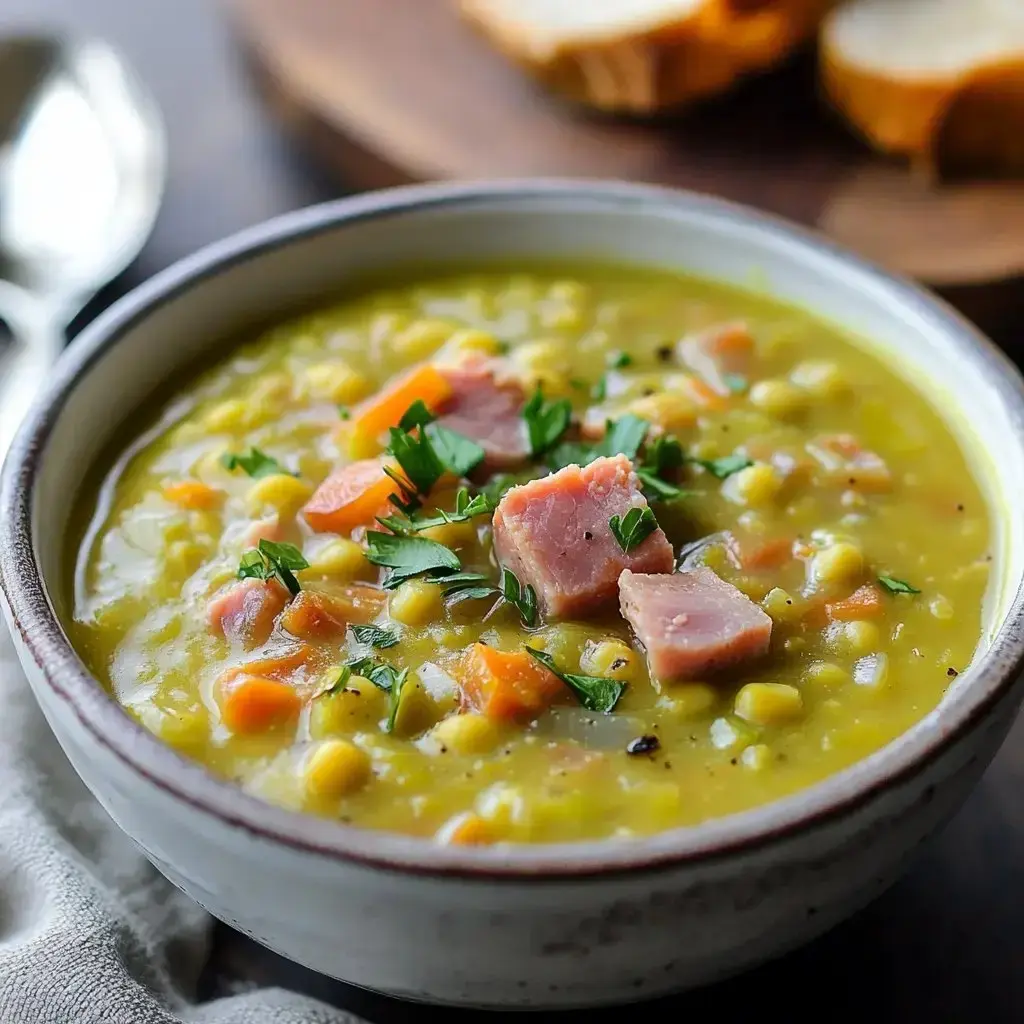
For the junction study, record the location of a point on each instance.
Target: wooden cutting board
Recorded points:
(393, 91)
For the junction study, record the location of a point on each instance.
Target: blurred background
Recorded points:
(275, 104)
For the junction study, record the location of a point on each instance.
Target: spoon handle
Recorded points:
(25, 366)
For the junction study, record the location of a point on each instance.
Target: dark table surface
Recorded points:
(945, 944)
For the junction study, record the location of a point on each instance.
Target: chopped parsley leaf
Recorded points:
(725, 466)
(634, 527)
(408, 557)
(546, 422)
(600, 390)
(417, 415)
(395, 699)
(256, 464)
(375, 636)
(466, 508)
(895, 586)
(458, 453)
(272, 559)
(331, 686)
(619, 360)
(594, 692)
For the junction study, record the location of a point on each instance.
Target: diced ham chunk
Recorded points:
(692, 623)
(718, 351)
(553, 533)
(245, 611)
(488, 411)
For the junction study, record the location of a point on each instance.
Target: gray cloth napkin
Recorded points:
(89, 930)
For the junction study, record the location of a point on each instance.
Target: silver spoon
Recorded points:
(82, 169)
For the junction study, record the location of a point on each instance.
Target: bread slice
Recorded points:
(641, 56)
(939, 81)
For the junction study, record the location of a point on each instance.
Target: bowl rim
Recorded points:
(187, 782)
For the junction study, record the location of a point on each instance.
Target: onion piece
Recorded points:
(871, 670)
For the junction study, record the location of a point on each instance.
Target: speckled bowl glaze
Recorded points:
(564, 925)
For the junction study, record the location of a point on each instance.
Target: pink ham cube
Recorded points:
(487, 411)
(553, 533)
(692, 623)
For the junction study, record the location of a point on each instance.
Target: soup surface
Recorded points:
(654, 551)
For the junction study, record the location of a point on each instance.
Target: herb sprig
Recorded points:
(270, 559)
(546, 422)
(466, 508)
(632, 529)
(385, 677)
(375, 636)
(407, 557)
(895, 586)
(595, 693)
(255, 463)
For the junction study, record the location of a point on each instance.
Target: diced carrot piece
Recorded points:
(193, 494)
(372, 417)
(717, 351)
(769, 554)
(864, 603)
(467, 829)
(316, 615)
(350, 497)
(281, 667)
(704, 395)
(506, 685)
(246, 610)
(254, 704)
(731, 343)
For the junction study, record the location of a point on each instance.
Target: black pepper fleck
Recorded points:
(648, 392)
(952, 672)
(643, 745)
(959, 508)
(665, 353)
(734, 760)
(587, 535)
(444, 750)
(619, 663)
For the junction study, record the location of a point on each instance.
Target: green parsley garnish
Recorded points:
(395, 699)
(600, 390)
(407, 557)
(634, 527)
(332, 686)
(735, 382)
(593, 692)
(466, 508)
(619, 360)
(425, 456)
(385, 677)
(270, 559)
(895, 586)
(663, 455)
(474, 586)
(255, 463)
(458, 453)
(417, 415)
(546, 422)
(623, 436)
(343, 412)
(723, 467)
(375, 636)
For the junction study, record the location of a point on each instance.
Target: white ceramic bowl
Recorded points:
(562, 925)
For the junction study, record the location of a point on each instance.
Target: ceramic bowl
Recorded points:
(530, 926)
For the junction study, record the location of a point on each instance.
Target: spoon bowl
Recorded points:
(82, 168)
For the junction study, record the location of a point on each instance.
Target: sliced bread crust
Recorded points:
(938, 81)
(653, 54)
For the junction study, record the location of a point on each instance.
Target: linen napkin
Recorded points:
(89, 929)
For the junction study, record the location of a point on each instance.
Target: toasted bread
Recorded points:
(642, 56)
(938, 81)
